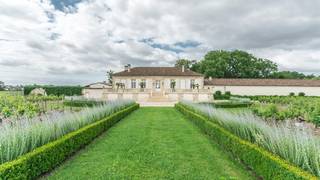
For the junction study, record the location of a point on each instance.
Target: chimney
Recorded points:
(182, 68)
(129, 67)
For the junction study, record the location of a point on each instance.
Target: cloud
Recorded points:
(76, 41)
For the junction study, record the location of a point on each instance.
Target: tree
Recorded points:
(235, 64)
(292, 75)
(2, 86)
(109, 76)
(185, 62)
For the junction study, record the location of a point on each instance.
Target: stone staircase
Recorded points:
(159, 100)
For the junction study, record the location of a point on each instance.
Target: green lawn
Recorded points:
(152, 143)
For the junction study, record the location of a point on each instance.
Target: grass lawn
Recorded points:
(151, 143)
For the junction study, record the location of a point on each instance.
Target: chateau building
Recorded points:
(172, 84)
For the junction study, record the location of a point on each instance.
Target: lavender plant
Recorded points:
(20, 137)
(298, 146)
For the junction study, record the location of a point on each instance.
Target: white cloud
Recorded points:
(41, 44)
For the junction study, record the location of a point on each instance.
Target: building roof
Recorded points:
(157, 71)
(262, 82)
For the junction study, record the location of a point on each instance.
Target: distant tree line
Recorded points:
(239, 64)
(2, 86)
(55, 90)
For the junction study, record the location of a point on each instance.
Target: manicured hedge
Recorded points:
(47, 157)
(82, 103)
(55, 90)
(230, 104)
(265, 164)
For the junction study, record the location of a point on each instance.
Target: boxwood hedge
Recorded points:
(47, 157)
(55, 90)
(265, 164)
(82, 103)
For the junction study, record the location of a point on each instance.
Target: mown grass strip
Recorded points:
(152, 143)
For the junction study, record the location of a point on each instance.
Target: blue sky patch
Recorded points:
(166, 47)
(61, 4)
(187, 44)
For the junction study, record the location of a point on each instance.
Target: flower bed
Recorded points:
(264, 163)
(48, 156)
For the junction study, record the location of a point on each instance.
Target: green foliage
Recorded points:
(292, 94)
(316, 121)
(109, 76)
(185, 62)
(302, 94)
(56, 90)
(265, 164)
(287, 107)
(235, 64)
(83, 103)
(219, 96)
(11, 105)
(35, 98)
(290, 75)
(47, 157)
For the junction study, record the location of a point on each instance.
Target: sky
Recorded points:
(70, 42)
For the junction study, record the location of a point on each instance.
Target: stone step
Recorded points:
(157, 104)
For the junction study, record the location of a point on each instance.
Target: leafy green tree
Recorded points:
(109, 76)
(183, 62)
(2, 86)
(288, 75)
(235, 64)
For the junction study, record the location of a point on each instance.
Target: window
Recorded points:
(192, 84)
(133, 84)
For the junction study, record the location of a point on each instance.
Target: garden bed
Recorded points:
(48, 156)
(264, 163)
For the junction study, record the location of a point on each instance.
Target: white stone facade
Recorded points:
(266, 90)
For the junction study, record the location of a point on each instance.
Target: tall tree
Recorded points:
(109, 76)
(235, 64)
(185, 62)
(2, 86)
(292, 75)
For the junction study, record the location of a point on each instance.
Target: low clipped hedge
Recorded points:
(47, 157)
(264, 163)
(82, 103)
(230, 104)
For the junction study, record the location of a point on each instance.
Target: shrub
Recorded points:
(83, 103)
(219, 96)
(301, 94)
(55, 90)
(20, 137)
(231, 104)
(261, 161)
(317, 121)
(292, 144)
(47, 157)
(292, 94)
